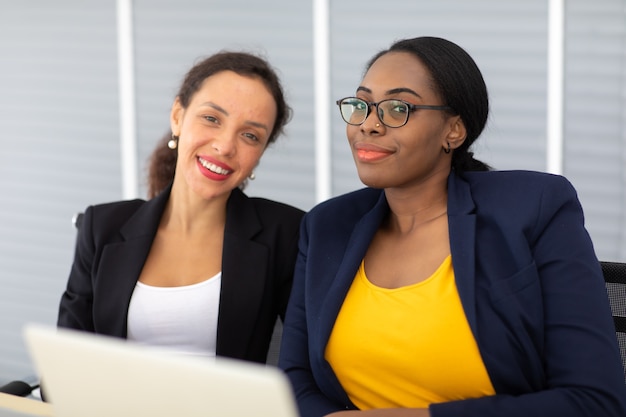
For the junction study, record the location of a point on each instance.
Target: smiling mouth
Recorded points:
(213, 168)
(369, 155)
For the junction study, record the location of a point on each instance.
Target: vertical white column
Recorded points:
(556, 46)
(622, 244)
(126, 72)
(321, 58)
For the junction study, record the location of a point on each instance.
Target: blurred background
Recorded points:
(86, 88)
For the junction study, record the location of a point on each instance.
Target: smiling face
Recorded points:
(412, 154)
(222, 133)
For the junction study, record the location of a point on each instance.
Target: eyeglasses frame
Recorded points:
(412, 108)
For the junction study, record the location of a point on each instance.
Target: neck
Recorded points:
(187, 213)
(412, 208)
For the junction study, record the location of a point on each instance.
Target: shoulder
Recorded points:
(276, 214)
(116, 208)
(110, 216)
(515, 177)
(347, 207)
(355, 201)
(521, 196)
(276, 208)
(268, 212)
(518, 183)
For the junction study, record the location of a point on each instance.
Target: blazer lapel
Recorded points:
(462, 224)
(360, 239)
(121, 264)
(244, 266)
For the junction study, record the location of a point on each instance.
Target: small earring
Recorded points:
(447, 150)
(252, 176)
(173, 143)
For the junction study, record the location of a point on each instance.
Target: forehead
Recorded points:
(237, 94)
(398, 70)
(229, 82)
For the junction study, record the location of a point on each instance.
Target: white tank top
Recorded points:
(181, 318)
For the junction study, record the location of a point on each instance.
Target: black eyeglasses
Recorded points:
(391, 112)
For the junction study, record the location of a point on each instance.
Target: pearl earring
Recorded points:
(173, 143)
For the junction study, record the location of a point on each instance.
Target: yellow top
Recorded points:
(406, 347)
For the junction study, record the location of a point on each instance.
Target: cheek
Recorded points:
(252, 157)
(185, 145)
(351, 132)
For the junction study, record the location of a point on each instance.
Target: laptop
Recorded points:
(88, 375)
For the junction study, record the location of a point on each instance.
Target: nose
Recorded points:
(372, 123)
(224, 144)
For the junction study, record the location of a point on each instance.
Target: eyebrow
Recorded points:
(223, 110)
(392, 91)
(215, 106)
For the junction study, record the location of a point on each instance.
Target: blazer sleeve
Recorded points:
(582, 372)
(76, 306)
(286, 276)
(294, 351)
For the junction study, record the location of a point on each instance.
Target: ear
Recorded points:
(456, 133)
(176, 117)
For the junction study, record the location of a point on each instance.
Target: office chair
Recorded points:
(21, 388)
(615, 280)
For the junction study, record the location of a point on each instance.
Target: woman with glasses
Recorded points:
(445, 288)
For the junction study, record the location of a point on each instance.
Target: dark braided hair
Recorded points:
(457, 79)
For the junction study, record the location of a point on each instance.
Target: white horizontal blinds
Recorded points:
(60, 151)
(172, 35)
(508, 41)
(59, 109)
(595, 118)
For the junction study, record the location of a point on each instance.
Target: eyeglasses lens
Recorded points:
(354, 111)
(392, 113)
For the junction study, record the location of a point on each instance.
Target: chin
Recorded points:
(371, 182)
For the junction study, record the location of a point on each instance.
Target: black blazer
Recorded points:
(260, 247)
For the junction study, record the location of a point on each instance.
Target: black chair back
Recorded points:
(615, 280)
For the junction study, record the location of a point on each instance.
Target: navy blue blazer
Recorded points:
(529, 282)
(259, 253)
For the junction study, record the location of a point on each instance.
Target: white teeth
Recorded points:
(214, 168)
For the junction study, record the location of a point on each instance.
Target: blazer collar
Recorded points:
(244, 263)
(362, 234)
(241, 216)
(145, 221)
(245, 266)
(462, 231)
(122, 261)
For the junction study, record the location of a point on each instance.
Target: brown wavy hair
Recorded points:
(162, 161)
